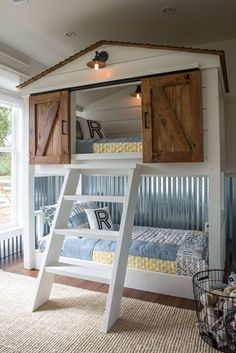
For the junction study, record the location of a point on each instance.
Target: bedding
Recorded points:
(172, 251)
(117, 145)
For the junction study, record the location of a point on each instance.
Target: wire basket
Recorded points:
(230, 329)
(213, 304)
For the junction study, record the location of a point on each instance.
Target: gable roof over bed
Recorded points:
(219, 53)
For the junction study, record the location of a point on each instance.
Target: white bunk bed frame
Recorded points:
(140, 61)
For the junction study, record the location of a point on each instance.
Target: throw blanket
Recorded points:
(185, 251)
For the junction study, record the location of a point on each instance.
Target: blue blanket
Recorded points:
(82, 248)
(188, 248)
(142, 248)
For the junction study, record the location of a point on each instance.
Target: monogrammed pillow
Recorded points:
(91, 129)
(99, 218)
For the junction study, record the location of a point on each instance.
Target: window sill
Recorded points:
(10, 232)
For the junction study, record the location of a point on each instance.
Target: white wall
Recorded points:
(229, 46)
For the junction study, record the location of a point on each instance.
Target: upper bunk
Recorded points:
(178, 120)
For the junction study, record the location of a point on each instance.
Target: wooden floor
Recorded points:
(15, 265)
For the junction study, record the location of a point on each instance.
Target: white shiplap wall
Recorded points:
(119, 112)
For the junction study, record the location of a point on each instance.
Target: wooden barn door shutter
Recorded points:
(172, 118)
(50, 128)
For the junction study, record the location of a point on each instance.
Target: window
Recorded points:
(9, 117)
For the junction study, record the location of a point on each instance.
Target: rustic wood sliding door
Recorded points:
(50, 128)
(172, 121)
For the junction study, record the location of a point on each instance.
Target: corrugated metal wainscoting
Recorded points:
(11, 246)
(175, 202)
(47, 191)
(165, 202)
(230, 214)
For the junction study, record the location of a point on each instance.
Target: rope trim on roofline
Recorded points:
(94, 46)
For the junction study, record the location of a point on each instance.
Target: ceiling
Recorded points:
(36, 27)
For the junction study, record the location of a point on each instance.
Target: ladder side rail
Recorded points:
(115, 293)
(53, 249)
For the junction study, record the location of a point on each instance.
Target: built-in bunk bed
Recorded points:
(175, 129)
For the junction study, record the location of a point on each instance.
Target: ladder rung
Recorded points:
(82, 272)
(98, 198)
(89, 233)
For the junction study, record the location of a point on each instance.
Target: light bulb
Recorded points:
(96, 66)
(138, 96)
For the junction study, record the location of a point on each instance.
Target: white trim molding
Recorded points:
(10, 232)
(10, 97)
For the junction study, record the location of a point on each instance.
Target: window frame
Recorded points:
(14, 150)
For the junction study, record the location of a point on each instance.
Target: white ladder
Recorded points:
(115, 276)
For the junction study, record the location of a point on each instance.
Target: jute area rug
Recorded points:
(71, 320)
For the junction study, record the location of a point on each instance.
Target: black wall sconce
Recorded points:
(137, 93)
(99, 61)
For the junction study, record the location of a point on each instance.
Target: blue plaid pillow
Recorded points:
(78, 217)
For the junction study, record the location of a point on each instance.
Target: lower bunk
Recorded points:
(160, 260)
(171, 251)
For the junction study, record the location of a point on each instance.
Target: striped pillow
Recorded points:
(78, 217)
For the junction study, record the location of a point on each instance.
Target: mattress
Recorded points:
(118, 145)
(172, 251)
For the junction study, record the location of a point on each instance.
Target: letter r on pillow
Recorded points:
(94, 126)
(102, 217)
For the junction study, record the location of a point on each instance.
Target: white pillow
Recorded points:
(99, 218)
(91, 129)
